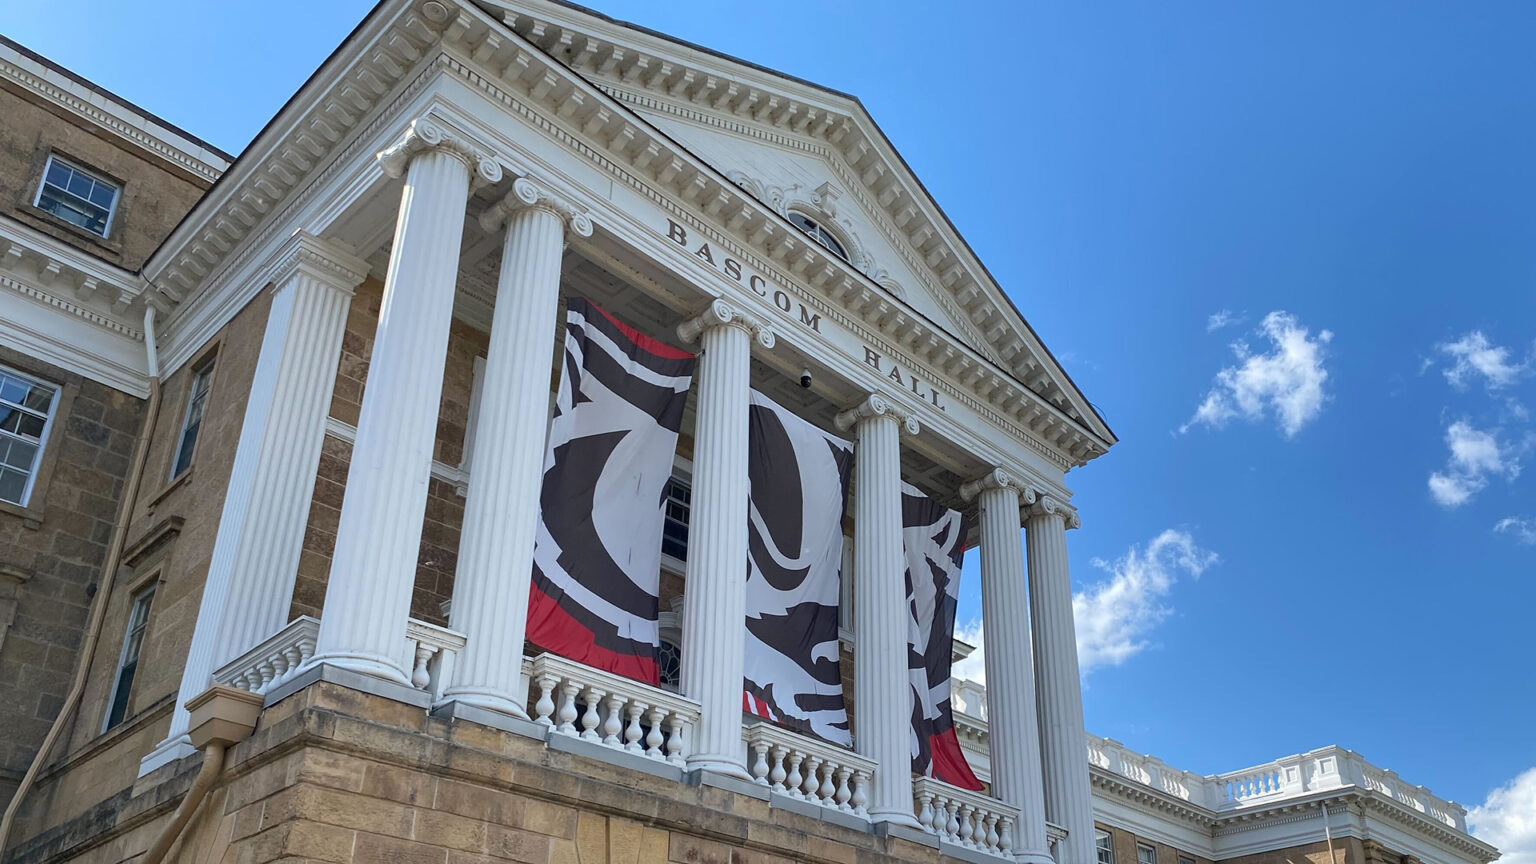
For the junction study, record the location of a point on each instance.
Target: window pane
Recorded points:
(13, 484)
(32, 426)
(102, 195)
(40, 399)
(80, 185)
(18, 454)
(13, 389)
(58, 174)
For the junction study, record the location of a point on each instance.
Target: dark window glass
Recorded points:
(128, 666)
(818, 233)
(25, 407)
(202, 380)
(674, 528)
(77, 196)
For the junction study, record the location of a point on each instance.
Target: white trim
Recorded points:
(117, 192)
(150, 587)
(344, 431)
(42, 438)
(208, 366)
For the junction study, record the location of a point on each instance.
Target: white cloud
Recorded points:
(1507, 819)
(1475, 456)
(1114, 617)
(1287, 381)
(1224, 318)
(1522, 527)
(1473, 355)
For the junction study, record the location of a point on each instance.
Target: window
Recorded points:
(26, 411)
(128, 663)
(818, 233)
(77, 196)
(669, 664)
(1102, 845)
(197, 402)
(1145, 854)
(674, 526)
(1185, 859)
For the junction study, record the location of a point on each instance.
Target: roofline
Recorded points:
(86, 82)
(585, 10)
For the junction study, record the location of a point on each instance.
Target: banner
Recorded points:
(933, 537)
(597, 550)
(799, 477)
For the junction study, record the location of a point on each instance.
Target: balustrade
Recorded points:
(808, 769)
(965, 818)
(433, 652)
(274, 660)
(611, 710)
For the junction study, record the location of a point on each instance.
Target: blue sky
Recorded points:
(1128, 171)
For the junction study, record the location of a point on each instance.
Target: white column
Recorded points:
(249, 586)
(882, 692)
(1015, 733)
(368, 596)
(490, 587)
(715, 611)
(1059, 693)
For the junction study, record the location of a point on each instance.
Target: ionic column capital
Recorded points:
(878, 405)
(324, 260)
(529, 194)
(428, 133)
(997, 478)
(723, 314)
(1045, 505)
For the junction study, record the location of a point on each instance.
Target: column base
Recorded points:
(895, 817)
(375, 665)
(1033, 857)
(490, 700)
(166, 752)
(720, 765)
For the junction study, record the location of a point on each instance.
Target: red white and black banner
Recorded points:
(799, 477)
(933, 537)
(597, 550)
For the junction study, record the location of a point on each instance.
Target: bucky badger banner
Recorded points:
(933, 537)
(597, 550)
(799, 478)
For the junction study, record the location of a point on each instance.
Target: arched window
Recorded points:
(818, 233)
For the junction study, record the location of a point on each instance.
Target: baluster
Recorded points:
(812, 778)
(420, 678)
(545, 706)
(760, 763)
(989, 832)
(967, 829)
(613, 723)
(860, 791)
(654, 739)
(841, 796)
(632, 732)
(795, 778)
(252, 681)
(777, 774)
(279, 669)
(1005, 837)
(925, 811)
(677, 731)
(567, 716)
(295, 657)
(593, 698)
(952, 823)
(267, 671)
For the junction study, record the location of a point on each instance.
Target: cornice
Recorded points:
(52, 272)
(13, 70)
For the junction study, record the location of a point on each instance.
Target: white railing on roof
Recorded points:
(1322, 770)
(433, 652)
(611, 710)
(808, 769)
(965, 818)
(274, 660)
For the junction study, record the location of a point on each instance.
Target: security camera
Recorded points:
(805, 378)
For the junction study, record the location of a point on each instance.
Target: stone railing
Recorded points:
(964, 818)
(805, 768)
(433, 650)
(611, 710)
(274, 660)
(1322, 770)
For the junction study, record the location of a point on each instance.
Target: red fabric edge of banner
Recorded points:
(646, 343)
(949, 762)
(552, 629)
(754, 707)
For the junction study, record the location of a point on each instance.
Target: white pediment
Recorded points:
(794, 145)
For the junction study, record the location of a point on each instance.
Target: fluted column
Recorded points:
(368, 596)
(1015, 732)
(249, 586)
(715, 611)
(882, 692)
(490, 588)
(1059, 692)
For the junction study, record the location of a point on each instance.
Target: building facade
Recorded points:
(273, 435)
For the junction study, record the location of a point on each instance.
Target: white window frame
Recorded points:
(42, 440)
(1104, 847)
(142, 597)
(821, 235)
(682, 469)
(1147, 859)
(208, 367)
(117, 193)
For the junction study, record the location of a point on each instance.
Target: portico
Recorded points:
(513, 164)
